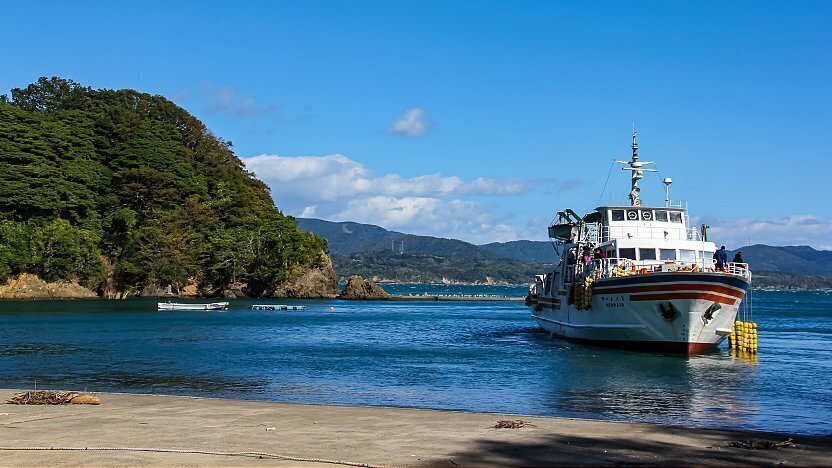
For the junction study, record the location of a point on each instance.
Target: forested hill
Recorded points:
(121, 189)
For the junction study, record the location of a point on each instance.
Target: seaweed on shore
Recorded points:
(49, 397)
(761, 444)
(508, 424)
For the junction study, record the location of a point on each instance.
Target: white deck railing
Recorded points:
(615, 267)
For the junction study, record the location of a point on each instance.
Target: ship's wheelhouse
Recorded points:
(647, 234)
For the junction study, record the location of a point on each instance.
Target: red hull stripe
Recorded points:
(683, 295)
(672, 287)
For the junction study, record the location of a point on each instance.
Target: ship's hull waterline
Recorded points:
(673, 312)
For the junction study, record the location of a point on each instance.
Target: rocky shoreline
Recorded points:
(29, 286)
(318, 281)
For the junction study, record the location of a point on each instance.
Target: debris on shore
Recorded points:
(49, 397)
(761, 444)
(508, 424)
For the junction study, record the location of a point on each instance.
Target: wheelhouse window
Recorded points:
(687, 255)
(617, 215)
(667, 254)
(647, 254)
(675, 217)
(661, 215)
(627, 253)
(647, 215)
(632, 215)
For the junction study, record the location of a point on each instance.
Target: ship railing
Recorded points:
(641, 232)
(616, 267)
(739, 269)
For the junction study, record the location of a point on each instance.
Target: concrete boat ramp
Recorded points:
(183, 431)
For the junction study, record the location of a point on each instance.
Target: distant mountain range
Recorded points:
(347, 238)
(373, 250)
(798, 260)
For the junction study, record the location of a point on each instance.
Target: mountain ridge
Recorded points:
(776, 264)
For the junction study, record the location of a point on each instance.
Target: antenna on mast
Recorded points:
(667, 181)
(637, 168)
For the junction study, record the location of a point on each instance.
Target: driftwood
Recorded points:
(506, 424)
(761, 444)
(48, 397)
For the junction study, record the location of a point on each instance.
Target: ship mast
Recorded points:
(638, 170)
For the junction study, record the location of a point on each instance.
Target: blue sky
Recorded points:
(479, 120)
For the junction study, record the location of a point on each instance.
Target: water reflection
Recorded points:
(701, 390)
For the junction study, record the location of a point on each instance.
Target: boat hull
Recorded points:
(674, 312)
(183, 306)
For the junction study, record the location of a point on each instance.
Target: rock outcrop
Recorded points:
(191, 288)
(29, 286)
(156, 290)
(359, 289)
(316, 282)
(234, 291)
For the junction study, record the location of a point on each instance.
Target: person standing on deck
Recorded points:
(586, 259)
(738, 258)
(721, 258)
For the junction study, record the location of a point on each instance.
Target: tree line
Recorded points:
(118, 189)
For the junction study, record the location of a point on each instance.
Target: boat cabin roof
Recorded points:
(639, 207)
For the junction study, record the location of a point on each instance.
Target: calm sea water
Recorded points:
(472, 356)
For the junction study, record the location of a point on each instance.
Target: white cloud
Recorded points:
(457, 219)
(788, 230)
(329, 178)
(413, 123)
(337, 188)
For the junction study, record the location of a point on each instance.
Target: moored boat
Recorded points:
(636, 276)
(185, 306)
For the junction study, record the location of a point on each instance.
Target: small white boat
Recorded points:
(183, 306)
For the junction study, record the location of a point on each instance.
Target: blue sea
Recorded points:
(467, 356)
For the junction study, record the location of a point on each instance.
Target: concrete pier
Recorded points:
(374, 436)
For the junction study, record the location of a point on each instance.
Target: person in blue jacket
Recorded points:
(721, 258)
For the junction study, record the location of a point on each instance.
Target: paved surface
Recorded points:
(380, 436)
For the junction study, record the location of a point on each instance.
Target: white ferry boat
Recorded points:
(649, 281)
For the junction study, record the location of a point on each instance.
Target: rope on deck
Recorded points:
(202, 452)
